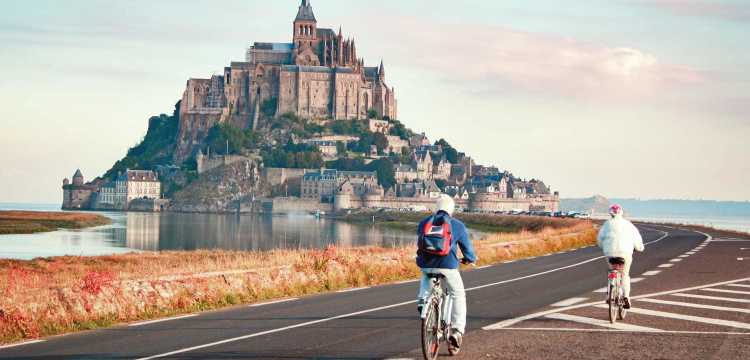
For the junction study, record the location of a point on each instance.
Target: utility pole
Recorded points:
(227, 153)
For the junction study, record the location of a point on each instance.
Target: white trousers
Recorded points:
(625, 274)
(455, 286)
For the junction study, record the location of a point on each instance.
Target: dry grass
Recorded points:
(27, 222)
(50, 296)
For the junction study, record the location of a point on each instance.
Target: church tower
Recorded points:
(305, 26)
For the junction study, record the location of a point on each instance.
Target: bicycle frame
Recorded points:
(439, 295)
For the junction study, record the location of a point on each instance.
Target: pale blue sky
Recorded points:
(626, 98)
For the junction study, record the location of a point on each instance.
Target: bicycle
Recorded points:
(615, 291)
(436, 315)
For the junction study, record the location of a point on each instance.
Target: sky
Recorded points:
(624, 98)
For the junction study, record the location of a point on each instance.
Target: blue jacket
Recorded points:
(459, 239)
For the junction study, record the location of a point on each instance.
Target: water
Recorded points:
(735, 223)
(174, 231)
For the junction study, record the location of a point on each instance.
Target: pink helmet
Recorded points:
(615, 209)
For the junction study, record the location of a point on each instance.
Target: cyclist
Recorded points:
(447, 264)
(618, 237)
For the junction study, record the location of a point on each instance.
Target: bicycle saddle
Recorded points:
(616, 261)
(436, 276)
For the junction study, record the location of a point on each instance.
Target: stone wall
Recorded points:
(291, 205)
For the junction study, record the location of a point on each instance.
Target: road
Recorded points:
(530, 308)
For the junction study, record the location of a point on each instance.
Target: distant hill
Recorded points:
(660, 208)
(592, 205)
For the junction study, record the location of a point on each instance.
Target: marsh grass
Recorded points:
(28, 222)
(48, 296)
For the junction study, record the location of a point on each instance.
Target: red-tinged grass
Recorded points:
(27, 222)
(50, 296)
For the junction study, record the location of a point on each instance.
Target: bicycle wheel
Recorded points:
(621, 312)
(430, 332)
(613, 304)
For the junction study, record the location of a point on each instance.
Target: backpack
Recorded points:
(435, 239)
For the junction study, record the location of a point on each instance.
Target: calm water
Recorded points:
(169, 231)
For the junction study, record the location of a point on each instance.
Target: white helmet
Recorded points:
(445, 203)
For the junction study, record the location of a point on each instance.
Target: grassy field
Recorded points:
(49, 296)
(28, 222)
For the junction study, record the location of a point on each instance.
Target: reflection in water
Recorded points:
(173, 231)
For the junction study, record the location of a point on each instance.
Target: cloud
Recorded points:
(497, 60)
(703, 8)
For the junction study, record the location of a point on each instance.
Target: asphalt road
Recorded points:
(378, 322)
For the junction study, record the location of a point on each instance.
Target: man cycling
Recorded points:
(618, 238)
(447, 264)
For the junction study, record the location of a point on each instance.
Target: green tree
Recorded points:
(385, 170)
(372, 113)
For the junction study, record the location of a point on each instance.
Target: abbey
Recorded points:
(316, 76)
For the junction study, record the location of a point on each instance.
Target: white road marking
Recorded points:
(666, 265)
(739, 285)
(700, 319)
(511, 322)
(483, 267)
(690, 253)
(597, 322)
(744, 248)
(730, 240)
(273, 302)
(675, 260)
(727, 291)
(683, 256)
(635, 280)
(706, 297)
(651, 273)
(404, 282)
(601, 290)
(629, 331)
(740, 259)
(568, 302)
(353, 289)
(198, 347)
(162, 320)
(21, 344)
(697, 306)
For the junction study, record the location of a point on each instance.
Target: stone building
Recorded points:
(325, 183)
(318, 75)
(78, 194)
(127, 187)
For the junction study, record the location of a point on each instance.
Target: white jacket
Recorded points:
(619, 237)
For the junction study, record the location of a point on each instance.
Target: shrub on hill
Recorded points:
(156, 148)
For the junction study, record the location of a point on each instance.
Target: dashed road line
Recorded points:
(706, 297)
(602, 323)
(666, 265)
(675, 260)
(273, 302)
(162, 320)
(21, 344)
(727, 291)
(700, 319)
(651, 273)
(683, 256)
(568, 302)
(635, 280)
(353, 289)
(697, 306)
